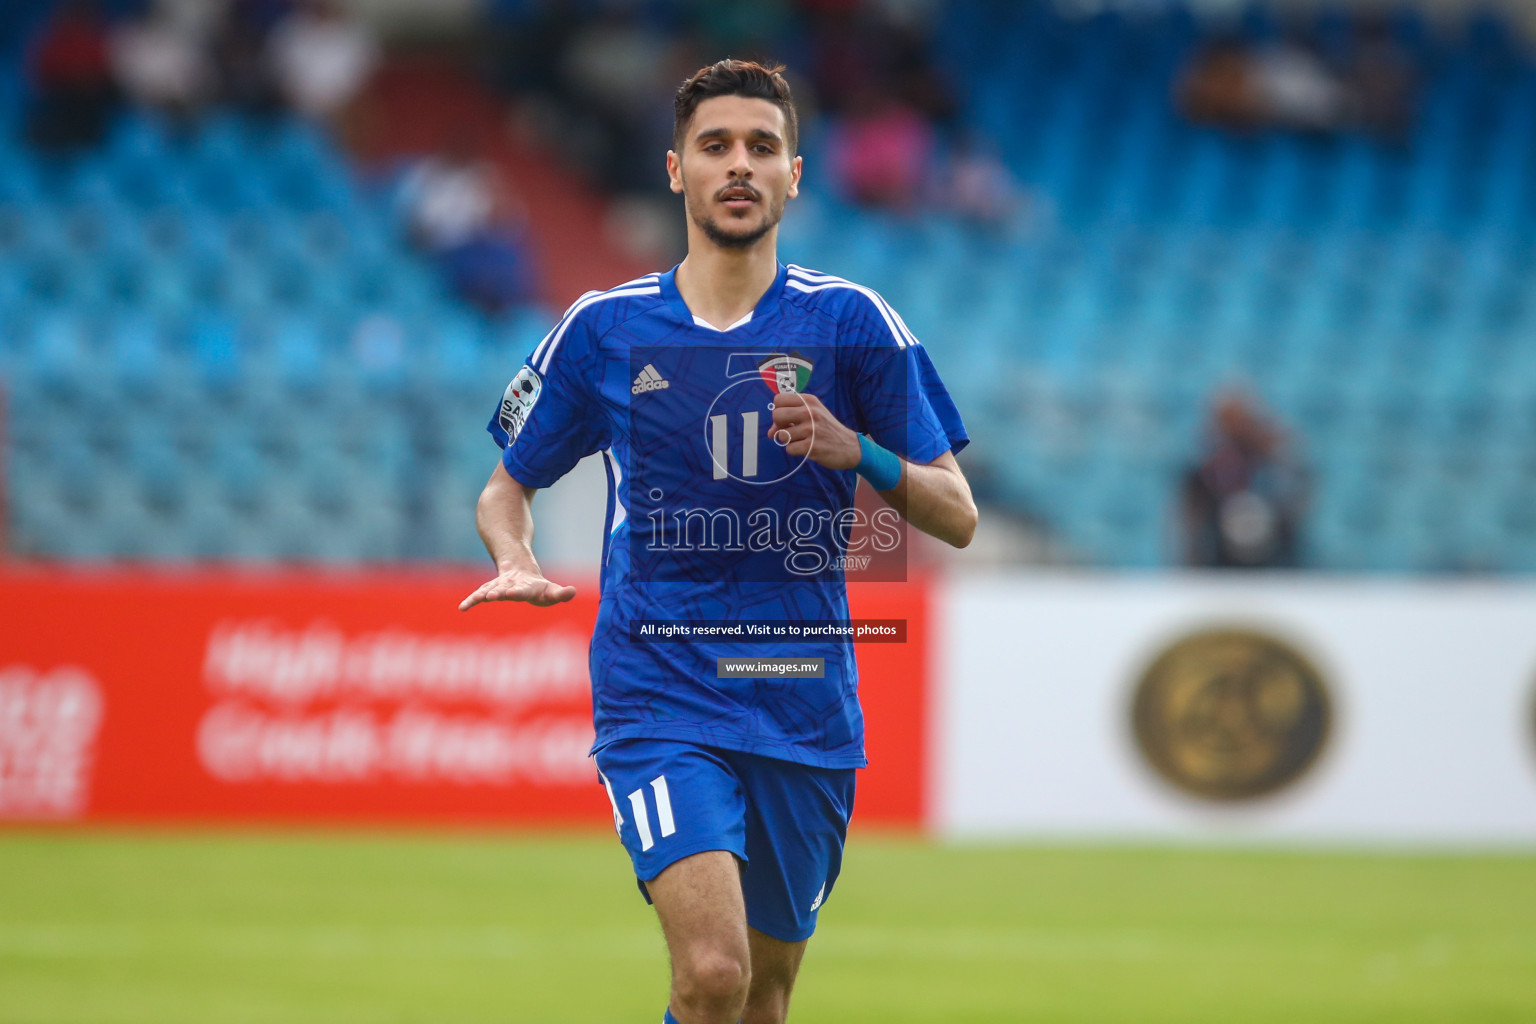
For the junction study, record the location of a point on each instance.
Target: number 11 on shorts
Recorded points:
(663, 812)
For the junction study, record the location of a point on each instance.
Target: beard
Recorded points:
(716, 233)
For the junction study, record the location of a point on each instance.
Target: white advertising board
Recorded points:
(1418, 727)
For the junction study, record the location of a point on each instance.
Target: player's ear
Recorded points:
(675, 171)
(795, 167)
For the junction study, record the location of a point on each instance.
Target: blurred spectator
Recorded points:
(880, 152)
(1289, 85)
(977, 187)
(873, 72)
(597, 86)
(844, 53)
(163, 60)
(71, 70)
(459, 209)
(910, 69)
(1382, 77)
(1243, 501)
(241, 53)
(526, 40)
(619, 74)
(1292, 87)
(320, 58)
(885, 46)
(1215, 89)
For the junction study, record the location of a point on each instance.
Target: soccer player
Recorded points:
(735, 402)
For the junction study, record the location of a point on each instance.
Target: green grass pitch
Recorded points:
(289, 928)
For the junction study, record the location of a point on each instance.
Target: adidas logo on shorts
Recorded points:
(649, 380)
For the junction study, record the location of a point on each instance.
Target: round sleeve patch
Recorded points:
(517, 401)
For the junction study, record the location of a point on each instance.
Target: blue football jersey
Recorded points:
(709, 519)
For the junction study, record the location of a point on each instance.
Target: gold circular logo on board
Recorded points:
(1231, 714)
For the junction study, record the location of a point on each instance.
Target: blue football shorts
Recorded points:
(785, 822)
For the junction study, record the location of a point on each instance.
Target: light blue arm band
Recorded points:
(880, 467)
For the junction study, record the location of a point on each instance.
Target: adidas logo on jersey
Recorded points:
(649, 380)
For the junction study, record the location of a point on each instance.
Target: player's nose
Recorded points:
(741, 166)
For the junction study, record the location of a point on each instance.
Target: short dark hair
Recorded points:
(731, 77)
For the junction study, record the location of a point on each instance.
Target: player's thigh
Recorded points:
(671, 800)
(797, 824)
(699, 903)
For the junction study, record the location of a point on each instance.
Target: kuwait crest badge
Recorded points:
(785, 373)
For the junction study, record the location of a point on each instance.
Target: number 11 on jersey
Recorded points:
(720, 444)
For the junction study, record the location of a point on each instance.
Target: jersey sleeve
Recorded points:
(548, 418)
(901, 402)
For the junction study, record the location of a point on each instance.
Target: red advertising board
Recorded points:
(356, 697)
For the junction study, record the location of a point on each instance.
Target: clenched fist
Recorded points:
(802, 425)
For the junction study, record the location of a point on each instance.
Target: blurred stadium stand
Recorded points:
(218, 345)
(218, 348)
(1377, 295)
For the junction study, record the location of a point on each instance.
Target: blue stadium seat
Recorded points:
(216, 349)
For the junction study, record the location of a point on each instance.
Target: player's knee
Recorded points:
(712, 979)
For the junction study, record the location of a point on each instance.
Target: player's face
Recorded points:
(735, 171)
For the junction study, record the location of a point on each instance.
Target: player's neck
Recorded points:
(722, 285)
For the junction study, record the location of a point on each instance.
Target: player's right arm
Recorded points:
(544, 424)
(504, 516)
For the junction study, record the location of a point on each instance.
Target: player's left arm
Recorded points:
(934, 496)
